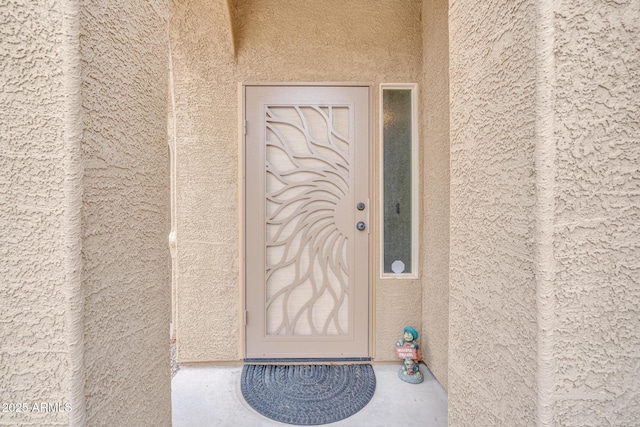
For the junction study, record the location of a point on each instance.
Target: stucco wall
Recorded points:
(275, 41)
(492, 336)
(576, 92)
(126, 274)
(84, 302)
(206, 193)
(33, 343)
(435, 194)
(597, 213)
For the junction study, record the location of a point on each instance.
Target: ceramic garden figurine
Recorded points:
(407, 349)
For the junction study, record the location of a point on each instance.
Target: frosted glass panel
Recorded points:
(397, 170)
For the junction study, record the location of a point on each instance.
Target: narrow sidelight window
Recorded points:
(399, 178)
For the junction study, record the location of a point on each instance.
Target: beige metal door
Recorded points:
(306, 221)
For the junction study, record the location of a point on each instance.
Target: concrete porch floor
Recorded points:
(204, 396)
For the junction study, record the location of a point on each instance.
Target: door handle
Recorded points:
(361, 225)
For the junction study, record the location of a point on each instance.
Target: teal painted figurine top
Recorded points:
(410, 336)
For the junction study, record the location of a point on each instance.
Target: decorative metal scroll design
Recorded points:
(307, 179)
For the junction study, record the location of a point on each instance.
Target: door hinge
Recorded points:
(246, 317)
(245, 127)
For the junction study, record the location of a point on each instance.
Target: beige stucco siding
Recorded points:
(544, 128)
(206, 193)
(492, 347)
(276, 41)
(126, 276)
(434, 164)
(85, 295)
(33, 342)
(597, 213)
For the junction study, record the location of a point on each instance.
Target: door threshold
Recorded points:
(307, 360)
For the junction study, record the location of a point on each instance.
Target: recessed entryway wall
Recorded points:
(213, 49)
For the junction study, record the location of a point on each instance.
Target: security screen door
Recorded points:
(307, 221)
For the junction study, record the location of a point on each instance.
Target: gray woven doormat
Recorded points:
(308, 394)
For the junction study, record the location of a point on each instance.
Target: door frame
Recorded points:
(242, 204)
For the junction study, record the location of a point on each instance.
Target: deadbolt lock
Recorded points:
(360, 206)
(361, 225)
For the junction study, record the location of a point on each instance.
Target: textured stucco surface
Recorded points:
(125, 204)
(597, 213)
(492, 336)
(435, 187)
(85, 300)
(579, 82)
(206, 192)
(33, 347)
(276, 41)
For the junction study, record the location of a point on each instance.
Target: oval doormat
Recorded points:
(308, 394)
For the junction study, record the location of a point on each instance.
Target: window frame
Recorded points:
(415, 201)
